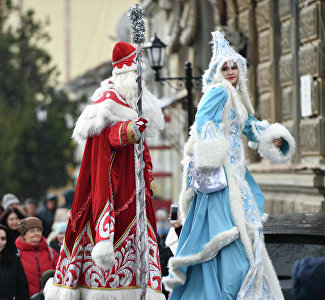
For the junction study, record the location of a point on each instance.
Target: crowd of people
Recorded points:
(30, 241)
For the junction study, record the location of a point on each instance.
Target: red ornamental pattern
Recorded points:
(79, 270)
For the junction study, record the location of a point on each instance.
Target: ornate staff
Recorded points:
(136, 14)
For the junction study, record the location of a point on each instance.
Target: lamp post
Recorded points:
(41, 115)
(156, 54)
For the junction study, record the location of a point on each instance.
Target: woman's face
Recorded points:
(13, 221)
(230, 73)
(3, 239)
(61, 237)
(33, 236)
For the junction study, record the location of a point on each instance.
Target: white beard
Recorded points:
(127, 86)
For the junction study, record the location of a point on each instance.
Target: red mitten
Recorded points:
(141, 123)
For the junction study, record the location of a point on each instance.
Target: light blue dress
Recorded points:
(209, 215)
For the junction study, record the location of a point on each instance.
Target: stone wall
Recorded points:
(286, 41)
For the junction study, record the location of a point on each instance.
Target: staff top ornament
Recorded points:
(138, 28)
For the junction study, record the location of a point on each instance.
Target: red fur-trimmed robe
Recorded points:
(104, 211)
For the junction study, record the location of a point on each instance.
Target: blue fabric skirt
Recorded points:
(221, 277)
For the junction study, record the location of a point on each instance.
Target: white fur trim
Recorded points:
(188, 147)
(126, 68)
(172, 240)
(264, 218)
(270, 276)
(185, 200)
(186, 195)
(152, 112)
(237, 211)
(269, 151)
(209, 251)
(119, 294)
(210, 153)
(96, 117)
(56, 292)
(253, 145)
(171, 282)
(105, 85)
(103, 254)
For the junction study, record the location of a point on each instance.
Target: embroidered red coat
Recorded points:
(104, 213)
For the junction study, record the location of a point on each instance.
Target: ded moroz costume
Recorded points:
(221, 252)
(99, 256)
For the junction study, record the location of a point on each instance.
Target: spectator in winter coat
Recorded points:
(36, 256)
(47, 213)
(11, 219)
(13, 282)
(57, 241)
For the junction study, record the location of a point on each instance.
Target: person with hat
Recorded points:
(221, 252)
(99, 256)
(57, 241)
(9, 200)
(35, 255)
(47, 212)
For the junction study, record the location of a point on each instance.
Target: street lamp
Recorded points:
(41, 115)
(156, 54)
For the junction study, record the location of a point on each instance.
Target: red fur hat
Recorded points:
(124, 58)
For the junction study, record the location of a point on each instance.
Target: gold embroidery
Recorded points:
(131, 135)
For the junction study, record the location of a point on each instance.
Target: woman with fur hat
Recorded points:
(221, 252)
(13, 282)
(36, 256)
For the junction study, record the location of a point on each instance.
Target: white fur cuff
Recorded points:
(210, 154)
(103, 254)
(269, 151)
(55, 292)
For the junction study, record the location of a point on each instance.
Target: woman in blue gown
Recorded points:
(221, 252)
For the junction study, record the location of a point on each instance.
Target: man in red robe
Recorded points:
(99, 256)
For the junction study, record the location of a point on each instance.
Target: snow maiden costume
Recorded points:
(221, 252)
(99, 256)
